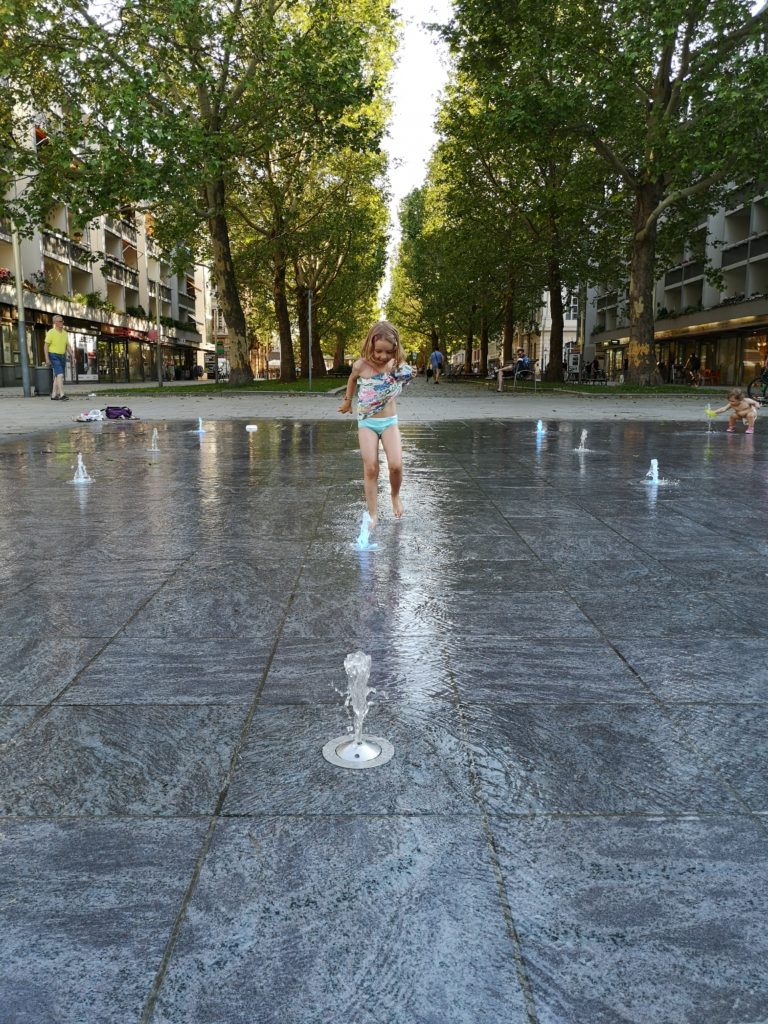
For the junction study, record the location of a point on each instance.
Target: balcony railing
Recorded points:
(165, 293)
(186, 300)
(5, 228)
(56, 246)
(120, 273)
(121, 227)
(736, 254)
(693, 269)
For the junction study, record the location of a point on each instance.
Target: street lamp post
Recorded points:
(159, 346)
(309, 340)
(23, 356)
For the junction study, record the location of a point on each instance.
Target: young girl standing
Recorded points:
(379, 375)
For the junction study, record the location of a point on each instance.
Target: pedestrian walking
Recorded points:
(57, 347)
(436, 362)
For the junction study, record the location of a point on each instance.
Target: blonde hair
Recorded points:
(383, 330)
(735, 393)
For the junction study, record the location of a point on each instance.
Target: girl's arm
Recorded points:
(346, 405)
(725, 408)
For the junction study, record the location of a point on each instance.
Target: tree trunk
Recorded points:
(554, 369)
(483, 344)
(318, 359)
(287, 361)
(223, 273)
(508, 332)
(302, 307)
(469, 344)
(642, 354)
(435, 339)
(338, 353)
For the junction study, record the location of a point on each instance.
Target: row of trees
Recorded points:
(251, 131)
(581, 141)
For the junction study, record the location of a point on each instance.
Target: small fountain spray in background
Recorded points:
(540, 428)
(710, 416)
(359, 750)
(583, 442)
(154, 446)
(653, 479)
(200, 429)
(363, 543)
(81, 473)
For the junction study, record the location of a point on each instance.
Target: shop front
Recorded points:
(732, 358)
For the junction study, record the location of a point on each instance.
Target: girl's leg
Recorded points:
(369, 449)
(751, 417)
(732, 421)
(390, 439)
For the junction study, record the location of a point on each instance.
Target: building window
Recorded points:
(571, 308)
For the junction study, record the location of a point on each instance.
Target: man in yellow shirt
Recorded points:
(57, 346)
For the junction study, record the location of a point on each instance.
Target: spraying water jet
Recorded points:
(81, 473)
(358, 750)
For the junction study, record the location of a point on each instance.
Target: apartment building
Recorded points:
(109, 282)
(725, 324)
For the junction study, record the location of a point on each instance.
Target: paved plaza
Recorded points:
(570, 663)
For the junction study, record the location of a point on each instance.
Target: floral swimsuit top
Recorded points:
(373, 393)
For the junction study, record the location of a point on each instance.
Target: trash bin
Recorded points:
(43, 380)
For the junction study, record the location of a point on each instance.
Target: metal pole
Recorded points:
(23, 356)
(309, 342)
(159, 346)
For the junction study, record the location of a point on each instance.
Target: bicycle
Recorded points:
(758, 388)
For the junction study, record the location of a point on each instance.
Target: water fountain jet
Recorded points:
(81, 473)
(358, 750)
(363, 543)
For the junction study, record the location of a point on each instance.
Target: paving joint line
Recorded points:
(153, 995)
(490, 839)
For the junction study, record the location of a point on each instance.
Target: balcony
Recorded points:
(122, 228)
(165, 293)
(738, 253)
(5, 228)
(56, 246)
(673, 277)
(187, 301)
(120, 273)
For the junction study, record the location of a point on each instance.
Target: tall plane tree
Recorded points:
(164, 104)
(670, 95)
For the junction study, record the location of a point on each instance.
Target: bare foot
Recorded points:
(397, 507)
(373, 521)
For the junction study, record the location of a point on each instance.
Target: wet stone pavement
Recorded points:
(570, 664)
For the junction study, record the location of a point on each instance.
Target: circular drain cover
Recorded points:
(371, 752)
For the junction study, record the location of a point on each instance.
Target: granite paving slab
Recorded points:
(593, 759)
(281, 769)
(87, 908)
(92, 761)
(735, 739)
(33, 671)
(51, 609)
(537, 671)
(313, 674)
(170, 671)
(216, 610)
(699, 669)
(509, 615)
(645, 610)
(640, 920)
(306, 921)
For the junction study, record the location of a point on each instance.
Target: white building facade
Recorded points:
(109, 283)
(726, 326)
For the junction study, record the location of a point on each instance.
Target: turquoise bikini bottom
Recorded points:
(378, 426)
